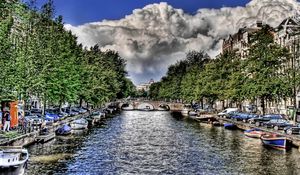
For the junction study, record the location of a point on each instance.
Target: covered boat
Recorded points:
(13, 160)
(63, 130)
(230, 126)
(79, 124)
(274, 141)
(254, 133)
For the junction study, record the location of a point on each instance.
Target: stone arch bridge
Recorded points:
(151, 105)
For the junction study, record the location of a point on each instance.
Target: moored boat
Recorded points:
(97, 116)
(13, 160)
(146, 108)
(216, 123)
(254, 133)
(192, 114)
(186, 109)
(91, 121)
(79, 124)
(63, 130)
(230, 126)
(274, 141)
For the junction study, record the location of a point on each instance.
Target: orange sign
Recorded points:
(13, 114)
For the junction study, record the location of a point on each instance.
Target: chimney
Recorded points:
(259, 23)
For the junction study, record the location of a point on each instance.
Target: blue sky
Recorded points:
(78, 12)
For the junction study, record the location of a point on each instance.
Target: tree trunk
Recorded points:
(239, 104)
(44, 107)
(263, 105)
(223, 104)
(80, 102)
(60, 104)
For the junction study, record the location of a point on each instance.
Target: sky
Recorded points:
(151, 35)
(78, 12)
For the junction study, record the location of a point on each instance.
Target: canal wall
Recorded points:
(32, 137)
(23, 140)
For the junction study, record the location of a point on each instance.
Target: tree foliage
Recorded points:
(38, 57)
(265, 74)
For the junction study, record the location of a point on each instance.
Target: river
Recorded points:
(137, 142)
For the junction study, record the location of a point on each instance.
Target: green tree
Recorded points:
(264, 69)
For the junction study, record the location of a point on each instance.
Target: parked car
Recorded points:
(34, 120)
(51, 115)
(277, 124)
(59, 112)
(81, 110)
(264, 118)
(292, 129)
(243, 116)
(63, 114)
(71, 111)
(27, 113)
(36, 111)
(228, 110)
(230, 114)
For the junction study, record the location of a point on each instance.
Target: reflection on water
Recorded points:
(138, 142)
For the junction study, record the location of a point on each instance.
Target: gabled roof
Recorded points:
(290, 25)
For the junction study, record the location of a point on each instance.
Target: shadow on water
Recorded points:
(138, 142)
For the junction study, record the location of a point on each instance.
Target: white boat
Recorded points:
(129, 108)
(97, 115)
(185, 110)
(161, 109)
(13, 160)
(79, 124)
(192, 114)
(146, 108)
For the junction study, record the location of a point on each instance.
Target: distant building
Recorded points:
(144, 86)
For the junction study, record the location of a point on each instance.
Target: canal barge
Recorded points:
(13, 160)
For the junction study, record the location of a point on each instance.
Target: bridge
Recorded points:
(151, 105)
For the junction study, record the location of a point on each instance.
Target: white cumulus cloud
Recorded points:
(152, 38)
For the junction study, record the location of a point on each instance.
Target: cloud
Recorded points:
(152, 38)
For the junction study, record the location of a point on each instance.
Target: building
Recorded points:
(240, 42)
(144, 86)
(287, 35)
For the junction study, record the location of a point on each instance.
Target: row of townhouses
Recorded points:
(287, 34)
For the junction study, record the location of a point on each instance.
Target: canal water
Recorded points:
(137, 142)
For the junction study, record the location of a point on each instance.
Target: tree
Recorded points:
(264, 69)
(7, 59)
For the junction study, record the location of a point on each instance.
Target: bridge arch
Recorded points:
(127, 106)
(164, 107)
(145, 106)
